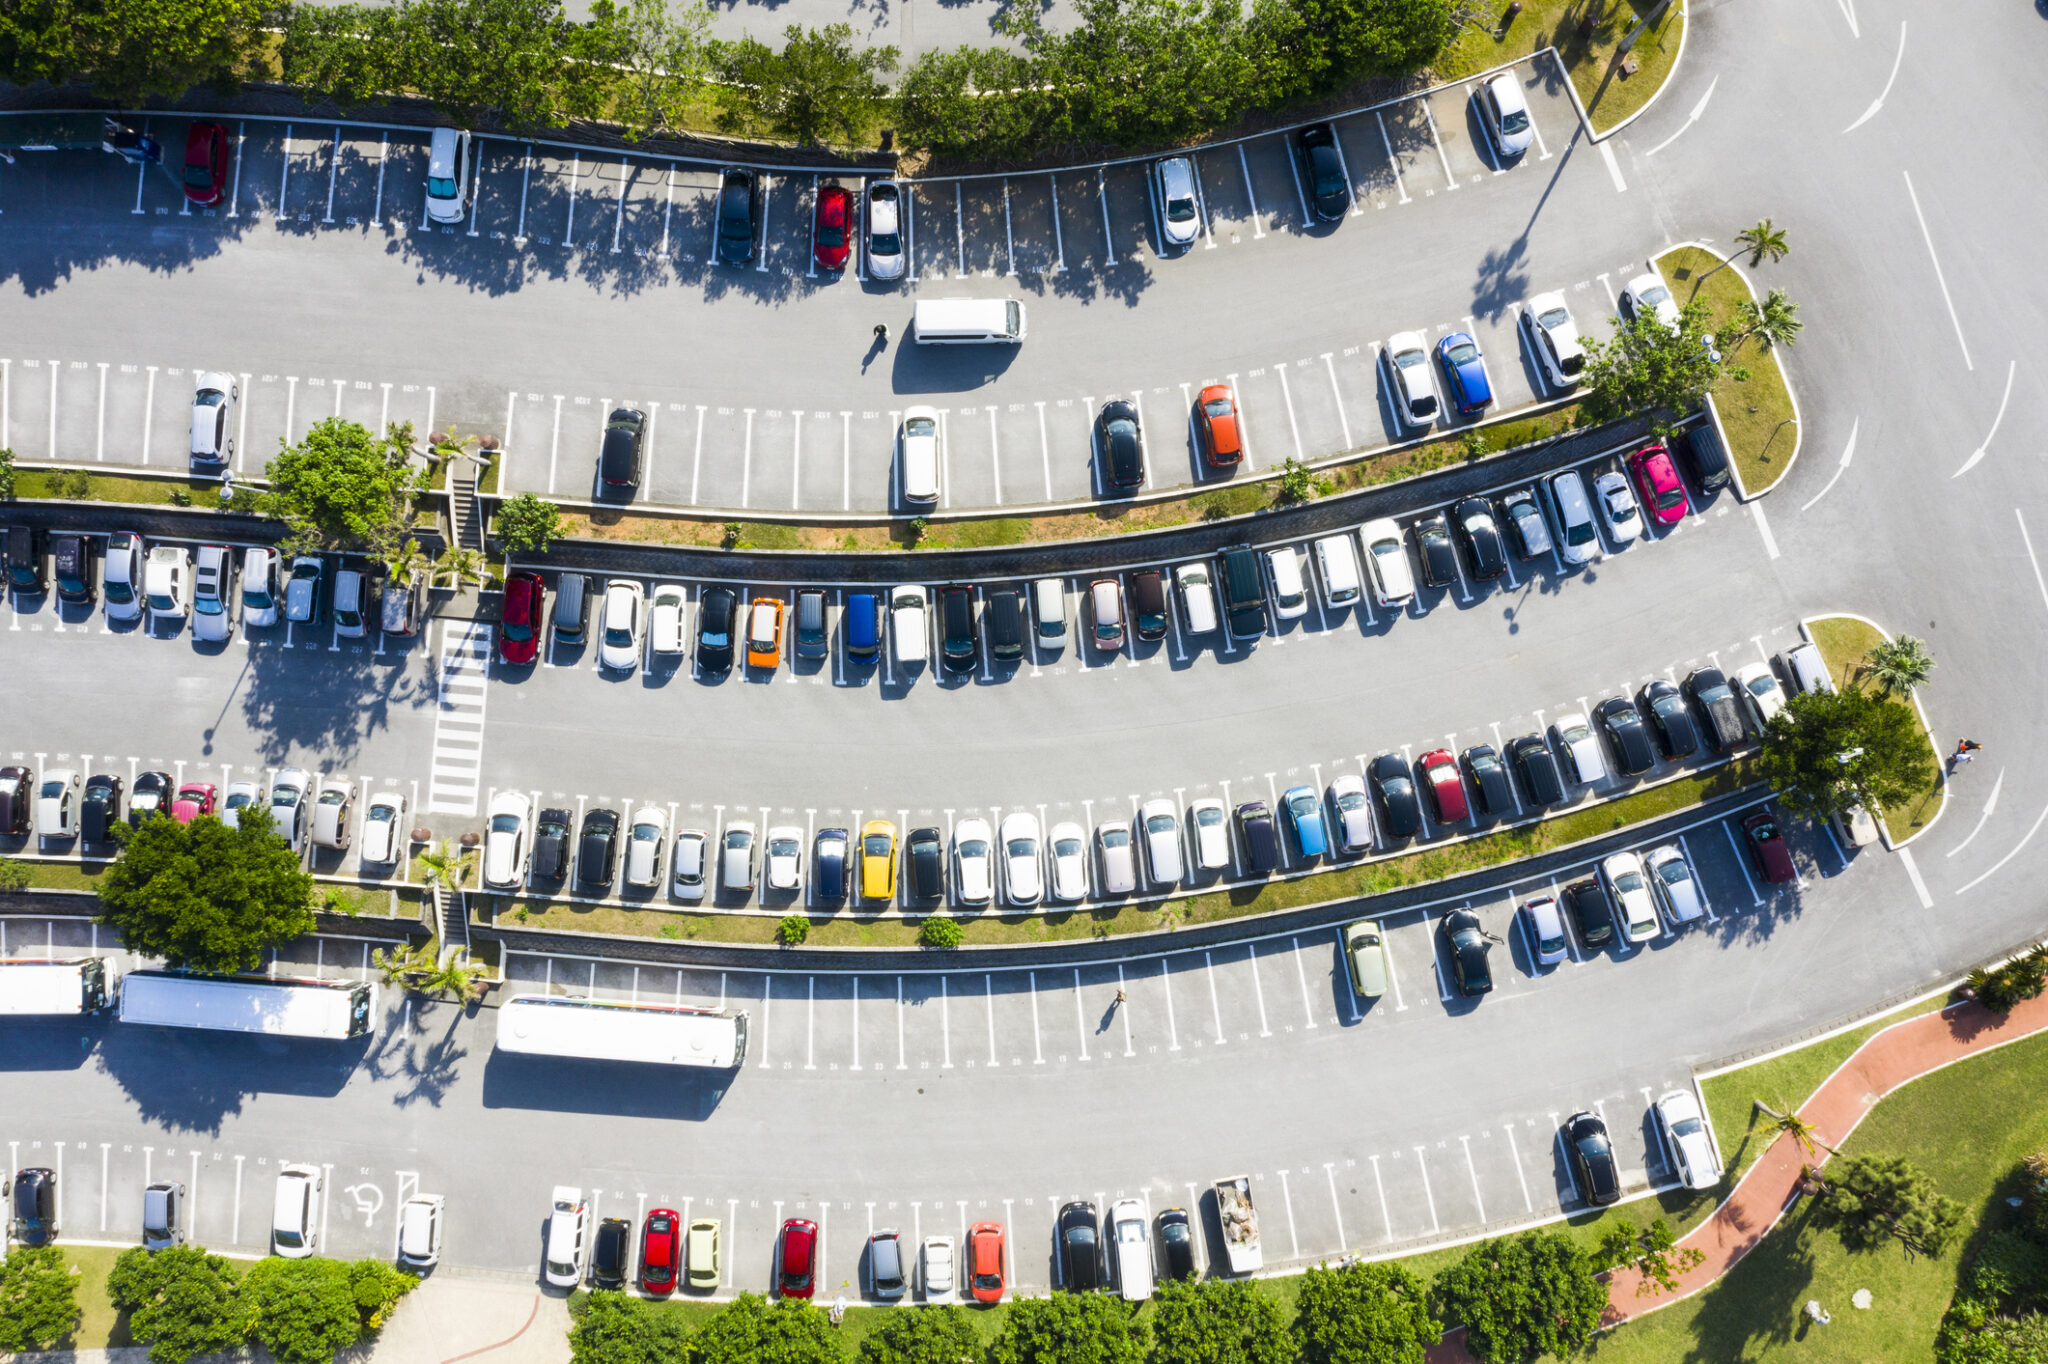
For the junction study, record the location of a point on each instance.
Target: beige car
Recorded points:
(1365, 954)
(700, 1254)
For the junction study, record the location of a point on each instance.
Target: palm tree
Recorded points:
(1763, 240)
(1789, 1124)
(446, 865)
(1774, 322)
(463, 564)
(1898, 665)
(420, 970)
(405, 562)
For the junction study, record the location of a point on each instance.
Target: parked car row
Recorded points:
(217, 587)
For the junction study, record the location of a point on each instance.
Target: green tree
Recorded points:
(1764, 240)
(1332, 43)
(1364, 1314)
(973, 101)
(1520, 1297)
(518, 63)
(348, 53)
(418, 967)
(131, 49)
(527, 524)
(922, 1335)
(1651, 1251)
(1068, 1328)
(662, 49)
(1875, 1199)
(1826, 751)
(1773, 323)
(38, 1301)
(1786, 1122)
(749, 1331)
(1218, 1321)
(377, 1288)
(939, 931)
(1898, 665)
(446, 864)
(819, 85)
(181, 1302)
(304, 1310)
(1137, 70)
(342, 488)
(207, 896)
(1297, 483)
(1648, 368)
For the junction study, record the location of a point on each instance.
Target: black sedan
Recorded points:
(1482, 537)
(101, 809)
(1628, 735)
(1466, 943)
(1177, 1243)
(597, 852)
(1489, 778)
(152, 796)
(1716, 700)
(35, 1206)
(714, 629)
(1433, 546)
(1080, 1248)
(925, 850)
(1541, 780)
(1670, 719)
(611, 1254)
(1587, 903)
(551, 845)
(1592, 1156)
(1322, 171)
(618, 460)
(1400, 811)
(738, 217)
(1122, 444)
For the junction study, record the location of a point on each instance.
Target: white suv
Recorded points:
(214, 603)
(293, 1212)
(505, 839)
(167, 582)
(1160, 829)
(447, 175)
(567, 1227)
(1408, 381)
(643, 846)
(122, 576)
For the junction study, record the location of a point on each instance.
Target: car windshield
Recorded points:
(208, 605)
(1628, 883)
(1670, 499)
(1656, 296)
(1550, 942)
(1551, 319)
(1022, 847)
(209, 397)
(1409, 359)
(1579, 534)
(1209, 817)
(1123, 429)
(159, 601)
(1673, 873)
(920, 426)
(831, 235)
(973, 850)
(1762, 686)
(440, 187)
(1514, 121)
(1686, 1127)
(875, 845)
(121, 594)
(1464, 353)
(283, 798)
(1180, 210)
(504, 824)
(1159, 824)
(1301, 806)
(1067, 847)
(516, 631)
(618, 637)
(347, 619)
(779, 847)
(1351, 800)
(883, 244)
(1593, 1146)
(1764, 832)
(199, 176)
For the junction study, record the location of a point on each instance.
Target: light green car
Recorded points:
(1365, 953)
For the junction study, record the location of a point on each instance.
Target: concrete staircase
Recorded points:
(465, 513)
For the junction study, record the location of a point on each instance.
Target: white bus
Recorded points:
(615, 1030)
(284, 1006)
(54, 985)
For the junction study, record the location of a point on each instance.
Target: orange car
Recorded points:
(985, 1261)
(1216, 413)
(764, 632)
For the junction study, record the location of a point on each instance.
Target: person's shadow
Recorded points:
(881, 343)
(1108, 1017)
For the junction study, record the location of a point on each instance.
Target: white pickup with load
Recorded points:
(1240, 1224)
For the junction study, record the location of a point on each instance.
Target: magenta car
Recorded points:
(1658, 483)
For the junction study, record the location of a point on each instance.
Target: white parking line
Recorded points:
(1215, 1004)
(284, 179)
(1392, 162)
(1280, 369)
(1059, 244)
(1287, 1201)
(1473, 1170)
(1108, 237)
(1009, 239)
(1613, 167)
(1528, 1203)
(1308, 1007)
(618, 213)
(1250, 197)
(1338, 394)
(1423, 1165)
(334, 170)
(525, 178)
(1742, 862)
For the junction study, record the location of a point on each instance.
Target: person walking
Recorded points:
(1966, 751)
(882, 332)
(1119, 996)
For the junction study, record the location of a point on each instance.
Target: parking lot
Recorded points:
(775, 440)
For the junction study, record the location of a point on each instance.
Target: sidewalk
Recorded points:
(1901, 1053)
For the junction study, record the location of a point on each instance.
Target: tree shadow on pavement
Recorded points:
(312, 700)
(412, 1052)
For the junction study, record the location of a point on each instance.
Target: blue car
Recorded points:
(1457, 355)
(1305, 813)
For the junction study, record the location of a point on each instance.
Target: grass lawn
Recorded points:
(862, 930)
(1752, 397)
(1237, 497)
(100, 1326)
(1555, 23)
(1968, 1126)
(97, 487)
(1843, 642)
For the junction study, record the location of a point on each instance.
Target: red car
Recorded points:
(985, 1261)
(797, 1266)
(1216, 418)
(832, 228)
(206, 163)
(1657, 480)
(1446, 786)
(1767, 841)
(661, 1251)
(195, 798)
(519, 623)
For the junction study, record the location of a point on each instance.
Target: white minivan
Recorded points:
(447, 175)
(1338, 565)
(1049, 604)
(1290, 594)
(968, 321)
(1197, 598)
(1809, 671)
(919, 446)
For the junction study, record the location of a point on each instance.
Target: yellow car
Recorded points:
(878, 860)
(764, 632)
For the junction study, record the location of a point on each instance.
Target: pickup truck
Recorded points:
(1240, 1224)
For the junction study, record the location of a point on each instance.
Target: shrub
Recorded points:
(6, 475)
(939, 931)
(13, 874)
(793, 929)
(527, 524)
(1295, 484)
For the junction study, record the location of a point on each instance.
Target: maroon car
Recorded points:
(206, 163)
(796, 1267)
(832, 229)
(520, 623)
(1767, 841)
(1446, 786)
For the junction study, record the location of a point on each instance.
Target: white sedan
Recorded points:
(936, 1274)
(644, 839)
(1685, 1136)
(1649, 294)
(1623, 872)
(973, 864)
(1179, 215)
(1161, 831)
(213, 403)
(1023, 882)
(1386, 563)
(785, 857)
(1757, 682)
(884, 229)
(1068, 848)
(1414, 392)
(1554, 337)
(665, 619)
(1354, 812)
(1545, 927)
(625, 609)
(505, 838)
(909, 609)
(1581, 749)
(384, 831)
(1212, 833)
(1676, 886)
(1617, 504)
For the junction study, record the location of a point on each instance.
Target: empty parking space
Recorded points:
(1410, 147)
(1451, 115)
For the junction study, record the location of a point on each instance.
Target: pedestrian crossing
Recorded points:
(464, 667)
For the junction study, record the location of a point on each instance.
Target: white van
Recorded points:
(1197, 598)
(1290, 594)
(1854, 828)
(1049, 604)
(919, 469)
(1808, 669)
(293, 1232)
(968, 321)
(1132, 1248)
(1338, 565)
